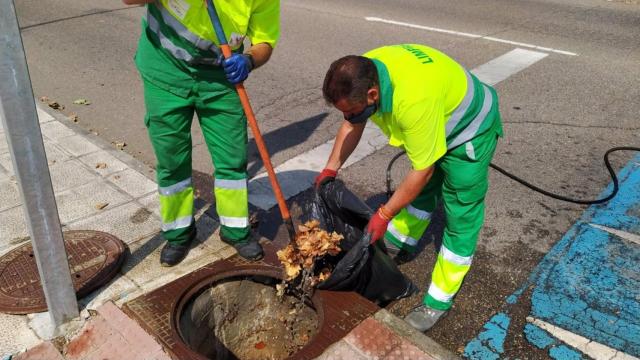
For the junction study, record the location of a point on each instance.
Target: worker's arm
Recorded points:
(408, 190)
(137, 2)
(260, 53)
(346, 141)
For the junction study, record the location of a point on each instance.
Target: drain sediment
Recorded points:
(241, 318)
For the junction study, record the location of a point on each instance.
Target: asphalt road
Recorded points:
(561, 113)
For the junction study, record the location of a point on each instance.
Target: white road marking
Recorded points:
(589, 347)
(475, 36)
(504, 66)
(634, 238)
(297, 174)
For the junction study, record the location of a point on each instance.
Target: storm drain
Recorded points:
(94, 258)
(176, 314)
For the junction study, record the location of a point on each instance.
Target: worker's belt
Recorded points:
(460, 113)
(183, 32)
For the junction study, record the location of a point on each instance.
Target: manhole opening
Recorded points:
(243, 318)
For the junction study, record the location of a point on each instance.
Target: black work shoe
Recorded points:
(173, 254)
(249, 249)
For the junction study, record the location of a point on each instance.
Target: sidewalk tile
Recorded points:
(117, 289)
(70, 174)
(373, 339)
(9, 194)
(5, 162)
(43, 116)
(4, 146)
(113, 335)
(133, 183)
(143, 266)
(4, 174)
(78, 145)
(12, 226)
(103, 156)
(55, 130)
(55, 154)
(341, 351)
(151, 202)
(22, 337)
(129, 222)
(44, 351)
(407, 351)
(81, 202)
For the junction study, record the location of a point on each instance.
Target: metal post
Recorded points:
(22, 128)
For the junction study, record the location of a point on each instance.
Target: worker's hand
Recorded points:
(377, 225)
(237, 68)
(325, 176)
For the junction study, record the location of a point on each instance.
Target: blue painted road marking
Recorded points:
(588, 283)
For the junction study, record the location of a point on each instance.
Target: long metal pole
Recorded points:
(22, 129)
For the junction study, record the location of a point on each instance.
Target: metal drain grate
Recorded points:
(94, 258)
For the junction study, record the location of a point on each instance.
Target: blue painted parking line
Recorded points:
(585, 293)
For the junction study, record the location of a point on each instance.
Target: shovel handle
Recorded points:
(253, 124)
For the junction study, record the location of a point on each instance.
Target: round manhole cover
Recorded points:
(94, 259)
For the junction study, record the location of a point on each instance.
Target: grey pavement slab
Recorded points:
(151, 202)
(12, 227)
(133, 183)
(20, 336)
(9, 194)
(43, 116)
(55, 154)
(55, 130)
(117, 289)
(4, 146)
(77, 145)
(88, 199)
(129, 222)
(143, 266)
(103, 157)
(70, 174)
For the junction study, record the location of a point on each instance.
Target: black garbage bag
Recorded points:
(361, 267)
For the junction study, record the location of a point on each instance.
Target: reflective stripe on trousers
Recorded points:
(407, 227)
(176, 205)
(232, 202)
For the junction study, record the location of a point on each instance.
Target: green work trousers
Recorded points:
(460, 180)
(168, 119)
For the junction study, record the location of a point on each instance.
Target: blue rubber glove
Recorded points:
(237, 68)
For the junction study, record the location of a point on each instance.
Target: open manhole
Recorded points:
(176, 314)
(94, 258)
(244, 318)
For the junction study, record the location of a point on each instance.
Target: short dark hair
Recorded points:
(349, 78)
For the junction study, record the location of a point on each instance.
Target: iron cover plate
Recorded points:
(94, 258)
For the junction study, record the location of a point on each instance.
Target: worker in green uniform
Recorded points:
(448, 123)
(183, 73)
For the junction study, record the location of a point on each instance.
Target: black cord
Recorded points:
(612, 173)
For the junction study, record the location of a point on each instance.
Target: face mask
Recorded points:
(363, 115)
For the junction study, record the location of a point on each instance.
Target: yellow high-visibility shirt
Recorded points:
(420, 87)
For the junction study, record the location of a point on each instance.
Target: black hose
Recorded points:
(612, 173)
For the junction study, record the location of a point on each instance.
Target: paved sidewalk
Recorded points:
(100, 188)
